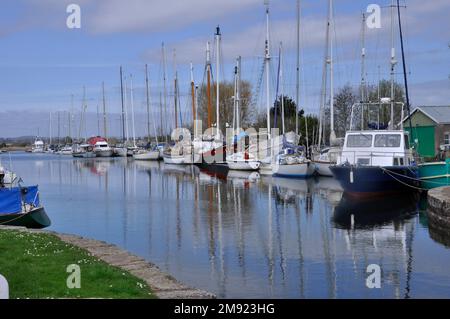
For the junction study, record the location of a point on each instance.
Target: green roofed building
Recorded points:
(430, 129)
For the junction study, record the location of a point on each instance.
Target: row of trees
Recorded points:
(344, 99)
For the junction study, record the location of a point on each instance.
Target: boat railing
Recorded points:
(375, 158)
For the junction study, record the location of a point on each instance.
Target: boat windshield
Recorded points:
(360, 140)
(387, 140)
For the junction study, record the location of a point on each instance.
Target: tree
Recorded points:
(275, 115)
(226, 104)
(290, 108)
(343, 103)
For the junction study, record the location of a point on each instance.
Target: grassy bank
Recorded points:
(35, 267)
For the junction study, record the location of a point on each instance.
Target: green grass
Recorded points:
(35, 267)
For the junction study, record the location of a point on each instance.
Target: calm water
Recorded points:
(243, 235)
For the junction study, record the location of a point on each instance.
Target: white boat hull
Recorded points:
(120, 152)
(104, 153)
(147, 156)
(177, 160)
(298, 170)
(244, 165)
(323, 168)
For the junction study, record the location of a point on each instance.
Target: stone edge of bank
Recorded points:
(438, 213)
(163, 285)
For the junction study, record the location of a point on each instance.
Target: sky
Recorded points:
(43, 62)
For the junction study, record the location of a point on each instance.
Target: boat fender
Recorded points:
(351, 177)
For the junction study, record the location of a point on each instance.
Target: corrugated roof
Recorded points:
(439, 114)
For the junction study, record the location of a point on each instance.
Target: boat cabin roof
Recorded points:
(390, 140)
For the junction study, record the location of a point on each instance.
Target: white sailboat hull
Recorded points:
(177, 160)
(121, 152)
(147, 156)
(323, 168)
(244, 165)
(298, 170)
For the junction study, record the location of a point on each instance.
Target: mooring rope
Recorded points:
(14, 219)
(415, 179)
(402, 182)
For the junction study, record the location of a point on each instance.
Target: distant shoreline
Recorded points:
(14, 149)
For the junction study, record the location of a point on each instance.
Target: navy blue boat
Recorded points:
(376, 162)
(373, 180)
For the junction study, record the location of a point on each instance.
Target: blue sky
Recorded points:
(42, 62)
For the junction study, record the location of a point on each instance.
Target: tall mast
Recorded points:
(324, 81)
(393, 63)
(282, 94)
(165, 85)
(105, 130)
(332, 133)
(193, 97)
(84, 113)
(175, 89)
(208, 85)
(50, 129)
(98, 118)
(70, 116)
(363, 68)
(237, 80)
(59, 127)
(267, 66)
(405, 77)
(160, 115)
(127, 132)
(148, 101)
(123, 107)
(132, 111)
(68, 129)
(297, 86)
(217, 81)
(238, 92)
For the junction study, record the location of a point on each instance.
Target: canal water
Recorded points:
(243, 235)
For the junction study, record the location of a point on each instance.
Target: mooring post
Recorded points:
(4, 289)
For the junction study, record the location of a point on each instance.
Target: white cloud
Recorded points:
(161, 15)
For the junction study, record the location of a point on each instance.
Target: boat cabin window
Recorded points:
(360, 140)
(387, 140)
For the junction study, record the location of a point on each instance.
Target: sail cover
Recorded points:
(11, 199)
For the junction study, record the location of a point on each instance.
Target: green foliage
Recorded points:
(35, 267)
(226, 104)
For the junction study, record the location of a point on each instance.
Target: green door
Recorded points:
(425, 136)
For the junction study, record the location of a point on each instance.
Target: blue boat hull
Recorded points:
(366, 180)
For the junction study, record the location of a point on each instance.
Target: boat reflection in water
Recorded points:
(244, 236)
(359, 213)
